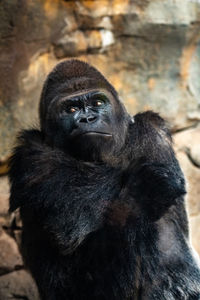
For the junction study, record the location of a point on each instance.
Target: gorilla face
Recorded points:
(90, 125)
(80, 113)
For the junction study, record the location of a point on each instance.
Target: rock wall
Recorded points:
(149, 50)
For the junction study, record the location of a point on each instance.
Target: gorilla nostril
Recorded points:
(91, 119)
(83, 120)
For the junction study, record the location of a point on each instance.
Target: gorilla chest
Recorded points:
(107, 195)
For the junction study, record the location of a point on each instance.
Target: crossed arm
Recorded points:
(155, 178)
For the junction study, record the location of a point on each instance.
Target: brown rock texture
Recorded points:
(18, 285)
(187, 147)
(15, 281)
(10, 258)
(149, 50)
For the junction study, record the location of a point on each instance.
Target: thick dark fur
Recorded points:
(105, 231)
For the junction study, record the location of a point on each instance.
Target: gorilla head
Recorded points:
(80, 112)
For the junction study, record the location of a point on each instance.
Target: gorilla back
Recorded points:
(101, 197)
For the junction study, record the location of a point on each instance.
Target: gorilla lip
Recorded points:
(96, 133)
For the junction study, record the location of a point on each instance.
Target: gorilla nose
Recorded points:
(89, 119)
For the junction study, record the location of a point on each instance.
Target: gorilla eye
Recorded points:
(98, 103)
(72, 109)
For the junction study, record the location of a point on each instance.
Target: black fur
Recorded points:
(100, 230)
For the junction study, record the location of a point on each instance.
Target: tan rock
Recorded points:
(4, 195)
(195, 154)
(195, 232)
(187, 148)
(5, 218)
(192, 175)
(186, 144)
(189, 138)
(4, 204)
(10, 258)
(4, 185)
(18, 285)
(93, 39)
(71, 44)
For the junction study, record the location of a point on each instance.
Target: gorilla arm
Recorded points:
(156, 180)
(45, 184)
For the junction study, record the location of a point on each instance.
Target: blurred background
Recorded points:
(148, 49)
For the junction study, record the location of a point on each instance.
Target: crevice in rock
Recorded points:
(96, 28)
(4, 271)
(187, 152)
(17, 296)
(139, 37)
(191, 159)
(177, 130)
(4, 168)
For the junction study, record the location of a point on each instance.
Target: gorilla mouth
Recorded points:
(78, 134)
(96, 133)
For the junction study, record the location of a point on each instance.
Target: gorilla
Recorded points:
(101, 197)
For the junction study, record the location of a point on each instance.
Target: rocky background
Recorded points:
(149, 50)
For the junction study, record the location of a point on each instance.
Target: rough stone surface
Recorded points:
(187, 148)
(185, 142)
(5, 218)
(18, 285)
(195, 237)
(192, 175)
(149, 50)
(10, 258)
(4, 195)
